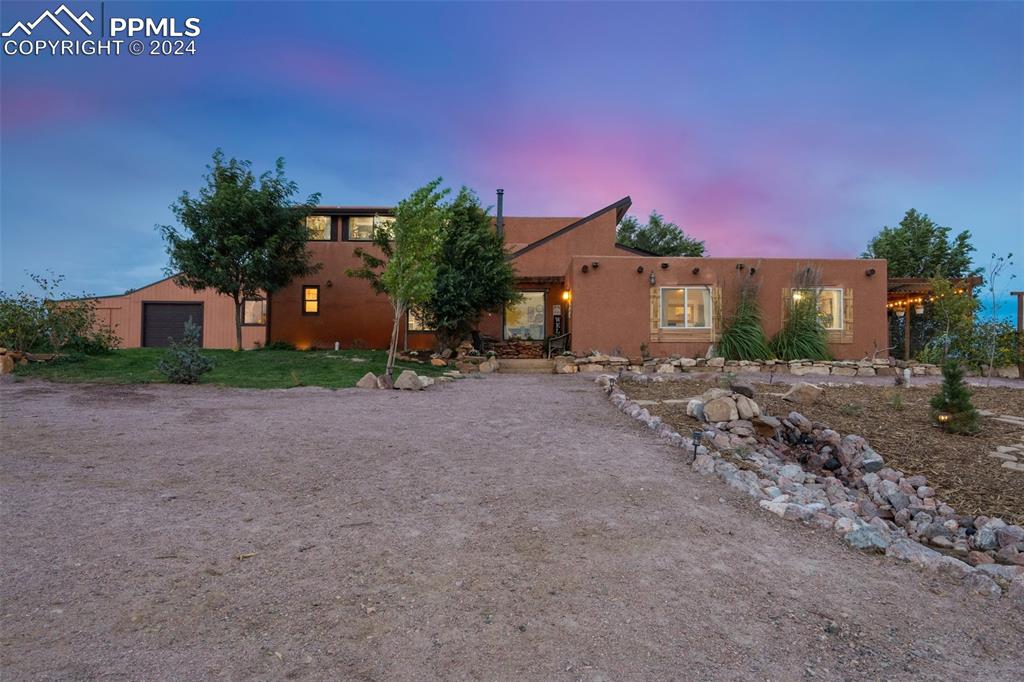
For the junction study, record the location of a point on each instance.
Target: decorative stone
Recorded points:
(746, 407)
(716, 362)
(976, 583)
(803, 393)
(872, 461)
(720, 410)
(742, 387)
(408, 381)
(704, 464)
(666, 369)
(384, 382)
(868, 538)
(438, 362)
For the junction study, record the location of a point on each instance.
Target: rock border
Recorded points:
(850, 485)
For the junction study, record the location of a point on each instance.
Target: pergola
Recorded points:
(907, 295)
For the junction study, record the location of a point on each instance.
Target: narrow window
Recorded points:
(254, 311)
(525, 319)
(319, 227)
(311, 300)
(686, 308)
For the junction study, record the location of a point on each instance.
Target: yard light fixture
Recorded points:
(943, 417)
(698, 436)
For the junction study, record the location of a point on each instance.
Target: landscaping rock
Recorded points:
(872, 461)
(803, 393)
(744, 388)
(746, 407)
(369, 380)
(868, 538)
(721, 410)
(384, 381)
(439, 362)
(408, 381)
(976, 583)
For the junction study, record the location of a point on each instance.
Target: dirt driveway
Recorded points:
(511, 527)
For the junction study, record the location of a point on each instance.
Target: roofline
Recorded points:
(620, 206)
(125, 293)
(353, 210)
(634, 250)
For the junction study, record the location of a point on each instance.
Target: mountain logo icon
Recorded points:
(77, 20)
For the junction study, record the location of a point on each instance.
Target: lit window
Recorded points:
(525, 319)
(319, 227)
(686, 308)
(254, 311)
(830, 305)
(416, 324)
(361, 228)
(311, 300)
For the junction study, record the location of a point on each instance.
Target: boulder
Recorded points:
(384, 381)
(742, 387)
(803, 393)
(765, 426)
(721, 410)
(713, 394)
(369, 380)
(408, 381)
(746, 407)
(870, 538)
(439, 362)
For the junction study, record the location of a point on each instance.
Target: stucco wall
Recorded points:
(611, 305)
(124, 314)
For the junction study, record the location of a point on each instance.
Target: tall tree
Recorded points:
(473, 273)
(918, 247)
(658, 236)
(242, 235)
(407, 265)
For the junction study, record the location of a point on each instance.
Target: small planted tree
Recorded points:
(951, 407)
(184, 363)
(406, 266)
(473, 273)
(242, 236)
(743, 337)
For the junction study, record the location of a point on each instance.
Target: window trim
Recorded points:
(303, 301)
(266, 312)
(504, 310)
(840, 307)
(706, 289)
(331, 227)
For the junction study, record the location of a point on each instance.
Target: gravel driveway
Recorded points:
(504, 528)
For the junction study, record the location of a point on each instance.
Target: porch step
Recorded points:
(526, 366)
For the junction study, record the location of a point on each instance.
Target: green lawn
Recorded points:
(249, 369)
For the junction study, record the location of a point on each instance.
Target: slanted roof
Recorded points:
(620, 206)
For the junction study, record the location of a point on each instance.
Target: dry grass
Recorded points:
(897, 424)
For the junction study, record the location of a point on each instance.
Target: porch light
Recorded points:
(566, 296)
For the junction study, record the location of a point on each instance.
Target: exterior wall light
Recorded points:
(651, 279)
(594, 265)
(566, 295)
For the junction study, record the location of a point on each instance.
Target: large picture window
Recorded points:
(830, 305)
(525, 319)
(319, 227)
(686, 308)
(254, 311)
(360, 228)
(311, 300)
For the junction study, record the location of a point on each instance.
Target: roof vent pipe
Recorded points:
(499, 220)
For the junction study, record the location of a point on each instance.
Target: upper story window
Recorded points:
(311, 300)
(830, 305)
(319, 227)
(685, 308)
(360, 228)
(254, 311)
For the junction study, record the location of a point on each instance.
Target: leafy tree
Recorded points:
(406, 268)
(919, 247)
(954, 402)
(473, 273)
(658, 236)
(53, 321)
(242, 234)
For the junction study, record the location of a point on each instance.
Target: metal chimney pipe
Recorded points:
(499, 221)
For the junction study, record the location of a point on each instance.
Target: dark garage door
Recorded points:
(164, 321)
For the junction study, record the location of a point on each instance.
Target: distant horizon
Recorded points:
(769, 129)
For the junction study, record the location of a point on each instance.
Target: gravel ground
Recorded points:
(511, 527)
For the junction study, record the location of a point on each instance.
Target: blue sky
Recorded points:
(764, 129)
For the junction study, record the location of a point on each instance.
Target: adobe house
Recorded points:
(575, 280)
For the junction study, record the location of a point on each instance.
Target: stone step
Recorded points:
(526, 366)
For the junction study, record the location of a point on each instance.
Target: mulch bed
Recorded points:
(896, 422)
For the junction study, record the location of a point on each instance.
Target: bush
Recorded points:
(183, 362)
(279, 345)
(975, 346)
(953, 401)
(52, 322)
(743, 337)
(803, 336)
